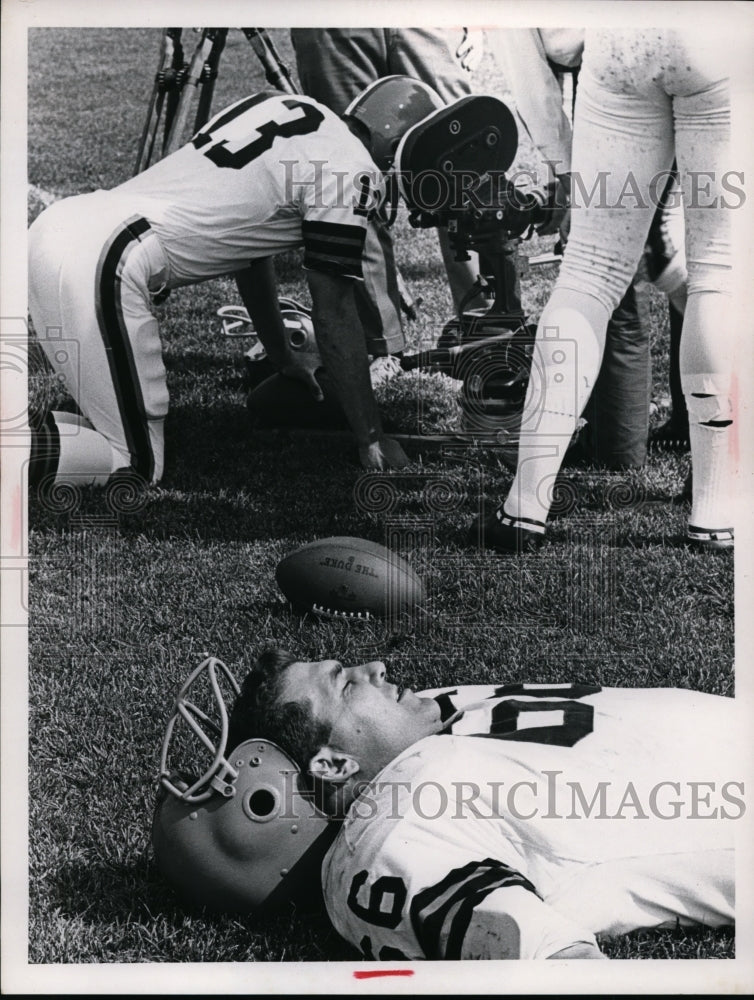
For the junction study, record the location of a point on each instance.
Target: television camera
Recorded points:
(451, 172)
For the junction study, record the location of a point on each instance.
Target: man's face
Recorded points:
(370, 719)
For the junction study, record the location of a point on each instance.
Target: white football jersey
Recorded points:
(540, 817)
(268, 173)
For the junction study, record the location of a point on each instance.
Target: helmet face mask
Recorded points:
(245, 833)
(386, 109)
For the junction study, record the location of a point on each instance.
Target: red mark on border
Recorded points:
(383, 972)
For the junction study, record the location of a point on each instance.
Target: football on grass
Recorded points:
(350, 578)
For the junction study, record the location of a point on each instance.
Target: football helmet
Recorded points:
(299, 330)
(386, 109)
(245, 832)
(300, 335)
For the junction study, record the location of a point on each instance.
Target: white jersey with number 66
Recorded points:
(541, 816)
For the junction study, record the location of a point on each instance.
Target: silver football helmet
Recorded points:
(386, 109)
(245, 832)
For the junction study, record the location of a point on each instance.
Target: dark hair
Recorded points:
(260, 713)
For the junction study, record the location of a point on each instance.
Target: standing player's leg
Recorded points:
(89, 287)
(618, 409)
(665, 261)
(334, 65)
(604, 247)
(707, 363)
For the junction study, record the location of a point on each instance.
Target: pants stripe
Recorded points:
(120, 358)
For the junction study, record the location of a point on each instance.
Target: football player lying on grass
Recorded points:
(517, 821)
(268, 174)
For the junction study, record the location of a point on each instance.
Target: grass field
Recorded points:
(123, 605)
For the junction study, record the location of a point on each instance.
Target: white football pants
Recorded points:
(92, 268)
(644, 96)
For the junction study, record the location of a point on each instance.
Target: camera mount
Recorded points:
(451, 171)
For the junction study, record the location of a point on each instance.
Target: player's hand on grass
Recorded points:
(385, 453)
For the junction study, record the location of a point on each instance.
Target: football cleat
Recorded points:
(673, 435)
(387, 109)
(710, 539)
(503, 533)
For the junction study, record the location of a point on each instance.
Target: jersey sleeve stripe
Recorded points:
(333, 265)
(333, 247)
(344, 248)
(333, 230)
(440, 914)
(441, 921)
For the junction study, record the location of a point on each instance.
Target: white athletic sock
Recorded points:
(712, 439)
(707, 363)
(567, 357)
(86, 457)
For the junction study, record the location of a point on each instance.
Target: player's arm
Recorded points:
(538, 102)
(341, 343)
(496, 914)
(257, 286)
(513, 922)
(535, 91)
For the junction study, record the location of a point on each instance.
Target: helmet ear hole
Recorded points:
(262, 804)
(262, 846)
(297, 339)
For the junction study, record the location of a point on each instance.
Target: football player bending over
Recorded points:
(267, 174)
(517, 821)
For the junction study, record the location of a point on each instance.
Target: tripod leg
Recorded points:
(175, 137)
(156, 101)
(276, 72)
(175, 77)
(209, 75)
